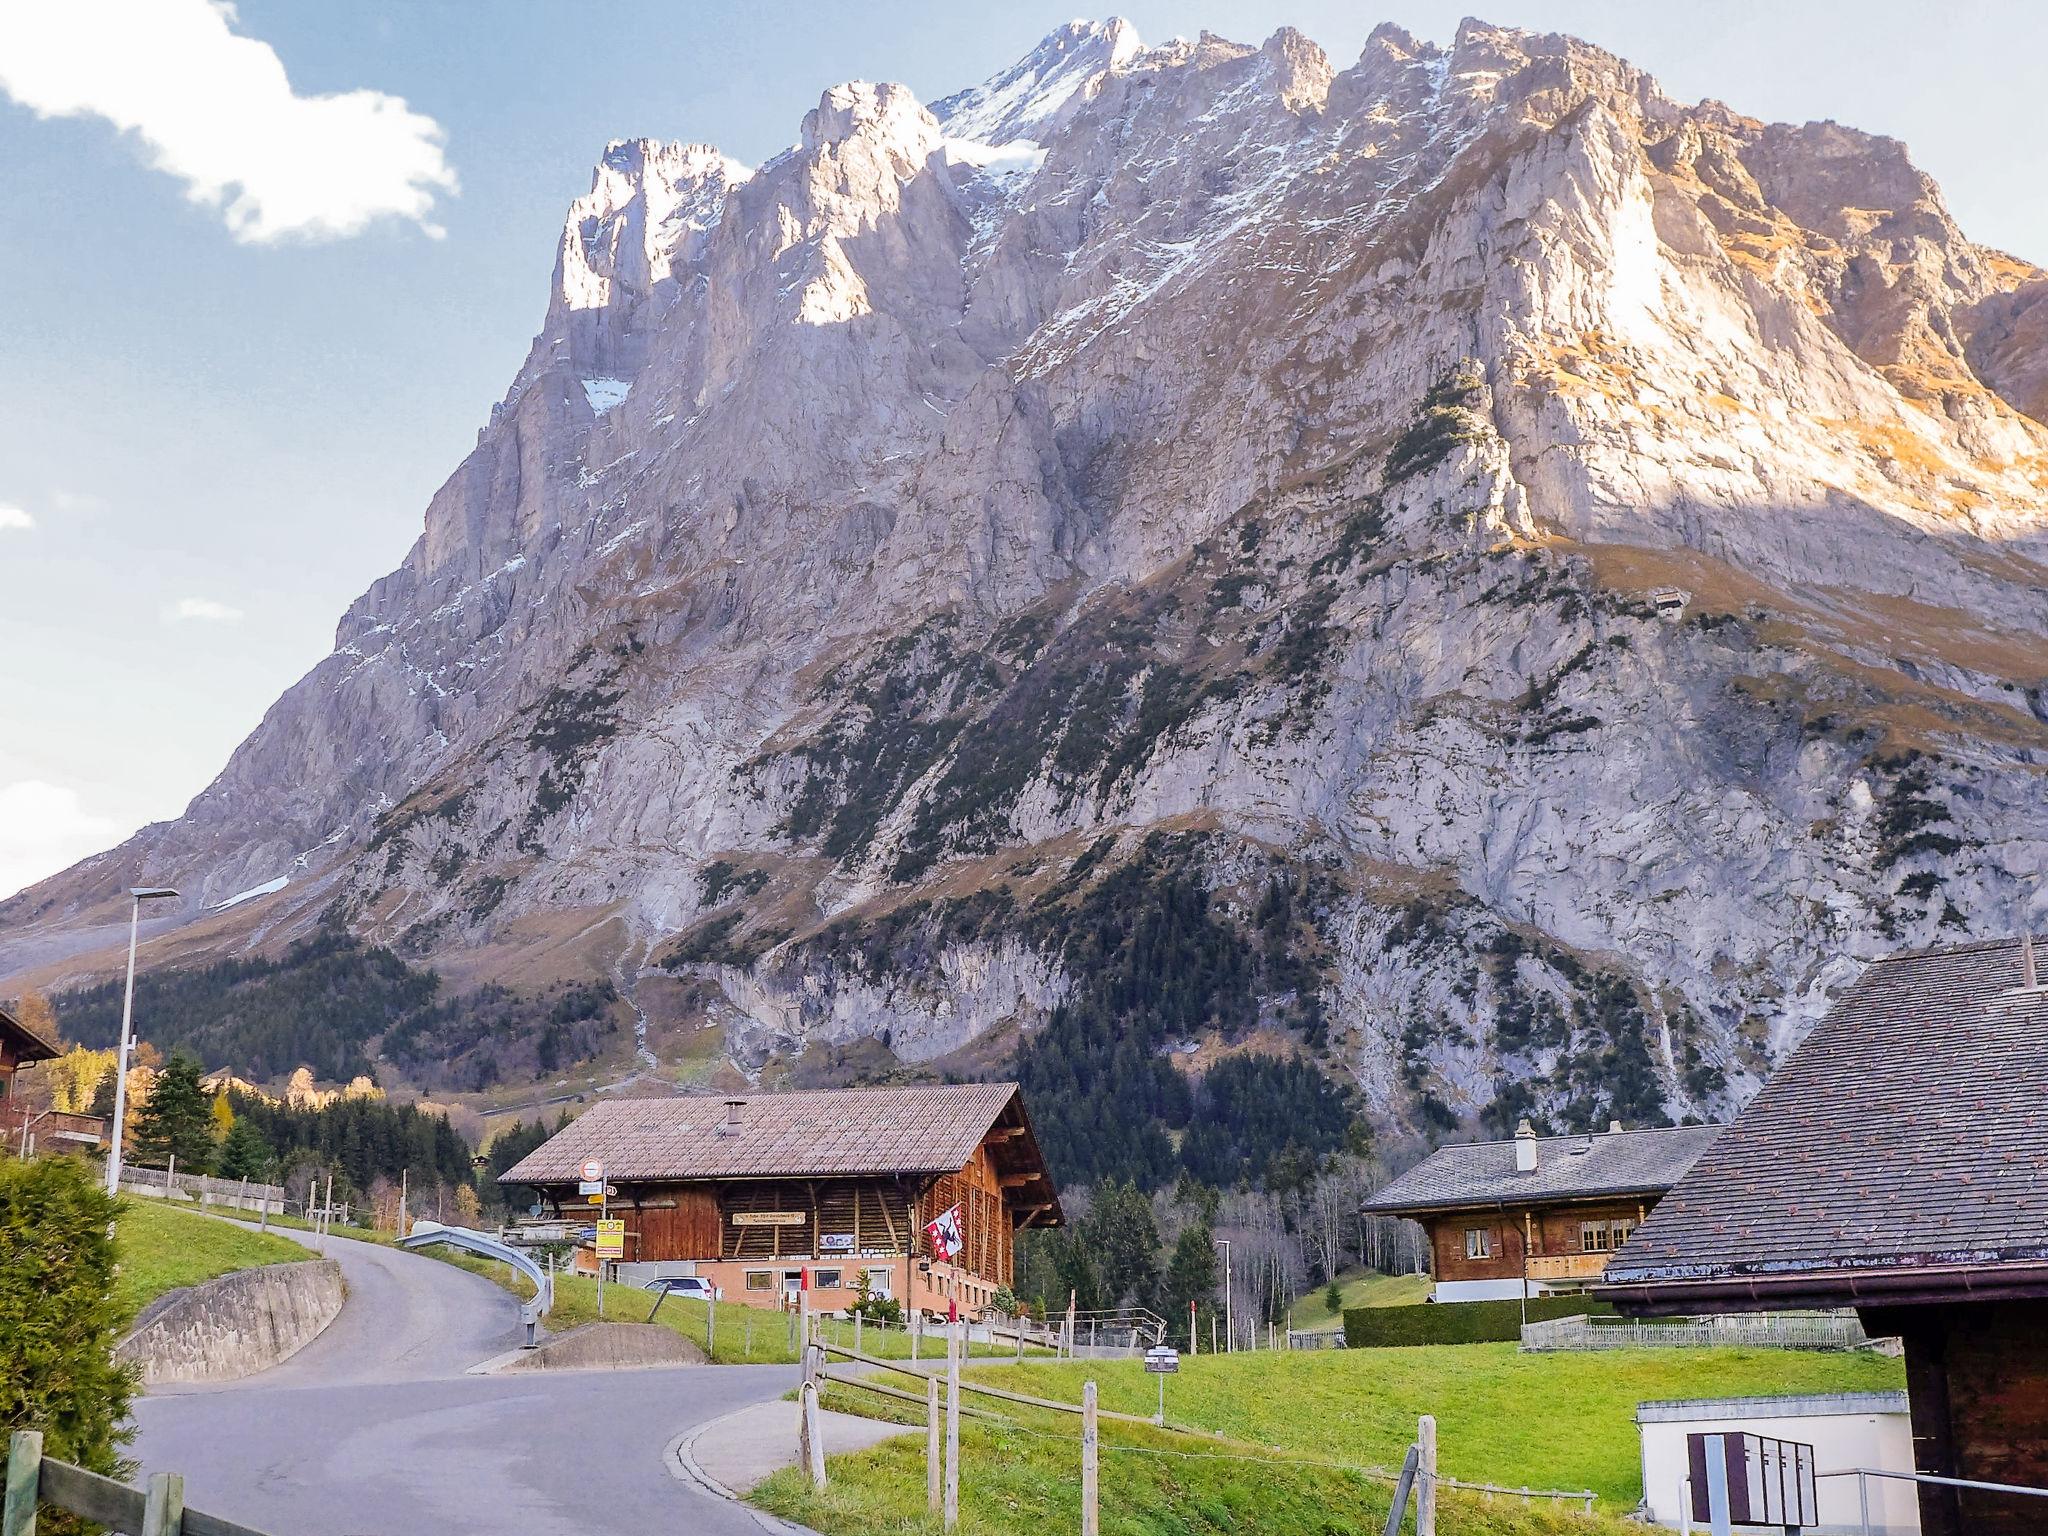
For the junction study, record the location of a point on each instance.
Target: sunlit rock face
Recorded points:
(1592, 546)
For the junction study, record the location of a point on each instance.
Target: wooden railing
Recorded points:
(1568, 1266)
(158, 1510)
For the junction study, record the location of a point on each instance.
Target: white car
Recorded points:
(692, 1286)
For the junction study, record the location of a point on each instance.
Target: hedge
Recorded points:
(58, 1317)
(1457, 1322)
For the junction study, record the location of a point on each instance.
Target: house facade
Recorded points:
(765, 1194)
(1536, 1214)
(1897, 1163)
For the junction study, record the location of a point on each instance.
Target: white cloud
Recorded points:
(217, 112)
(14, 517)
(204, 609)
(44, 828)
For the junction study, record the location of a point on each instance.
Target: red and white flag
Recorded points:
(944, 1232)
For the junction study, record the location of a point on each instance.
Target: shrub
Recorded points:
(1457, 1322)
(58, 1317)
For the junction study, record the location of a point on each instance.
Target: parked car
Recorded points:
(692, 1286)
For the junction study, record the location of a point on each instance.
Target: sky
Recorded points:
(265, 272)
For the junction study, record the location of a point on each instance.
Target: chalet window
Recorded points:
(1478, 1242)
(1619, 1232)
(879, 1281)
(826, 1279)
(1593, 1237)
(760, 1279)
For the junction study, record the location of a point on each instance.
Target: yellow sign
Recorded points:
(611, 1239)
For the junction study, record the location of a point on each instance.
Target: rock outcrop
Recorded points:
(1595, 546)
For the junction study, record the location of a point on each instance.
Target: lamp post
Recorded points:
(141, 893)
(1229, 1331)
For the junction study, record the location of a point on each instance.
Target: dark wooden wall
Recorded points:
(1977, 1375)
(1556, 1230)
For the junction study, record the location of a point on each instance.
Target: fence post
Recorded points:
(163, 1509)
(954, 1339)
(933, 1468)
(1425, 1485)
(814, 1439)
(24, 1477)
(857, 1320)
(1090, 1521)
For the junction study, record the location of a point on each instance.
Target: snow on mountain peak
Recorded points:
(1026, 99)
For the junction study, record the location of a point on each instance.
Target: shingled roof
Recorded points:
(1900, 1152)
(928, 1129)
(1567, 1168)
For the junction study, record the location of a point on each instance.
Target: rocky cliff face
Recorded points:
(1582, 554)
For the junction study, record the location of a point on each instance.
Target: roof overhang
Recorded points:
(1901, 1286)
(1510, 1199)
(28, 1045)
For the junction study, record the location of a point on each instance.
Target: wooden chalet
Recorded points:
(761, 1194)
(1536, 1214)
(19, 1046)
(1896, 1163)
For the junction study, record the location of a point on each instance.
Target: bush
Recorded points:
(1457, 1322)
(58, 1317)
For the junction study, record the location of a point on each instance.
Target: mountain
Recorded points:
(1459, 568)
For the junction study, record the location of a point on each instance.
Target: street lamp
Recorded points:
(141, 893)
(1229, 1334)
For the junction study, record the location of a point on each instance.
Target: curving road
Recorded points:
(374, 1429)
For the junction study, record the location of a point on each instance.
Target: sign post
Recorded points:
(1162, 1360)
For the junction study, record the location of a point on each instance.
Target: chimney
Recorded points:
(2029, 976)
(732, 1117)
(1525, 1148)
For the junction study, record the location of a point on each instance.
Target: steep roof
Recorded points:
(28, 1045)
(1901, 1148)
(1567, 1168)
(928, 1129)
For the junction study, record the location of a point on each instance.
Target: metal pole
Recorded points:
(1090, 1520)
(1229, 1303)
(121, 1061)
(1863, 1499)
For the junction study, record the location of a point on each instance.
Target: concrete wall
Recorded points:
(236, 1325)
(1845, 1429)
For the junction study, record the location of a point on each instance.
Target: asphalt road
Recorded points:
(374, 1430)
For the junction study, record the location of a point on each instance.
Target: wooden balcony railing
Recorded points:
(1568, 1266)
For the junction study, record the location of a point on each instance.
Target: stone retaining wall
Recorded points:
(236, 1325)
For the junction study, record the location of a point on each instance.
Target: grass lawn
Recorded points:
(746, 1335)
(1356, 1407)
(162, 1247)
(1361, 1288)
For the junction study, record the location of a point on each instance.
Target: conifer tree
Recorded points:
(177, 1121)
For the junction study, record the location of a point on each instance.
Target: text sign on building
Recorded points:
(1757, 1480)
(1162, 1360)
(769, 1218)
(611, 1239)
(836, 1242)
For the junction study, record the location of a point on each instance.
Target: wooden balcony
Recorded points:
(1568, 1266)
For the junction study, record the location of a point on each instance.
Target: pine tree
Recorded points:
(1190, 1272)
(177, 1121)
(244, 1154)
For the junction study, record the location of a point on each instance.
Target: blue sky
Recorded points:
(218, 442)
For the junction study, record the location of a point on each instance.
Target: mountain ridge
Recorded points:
(1276, 454)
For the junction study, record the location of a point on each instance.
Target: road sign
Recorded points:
(1162, 1360)
(593, 1178)
(611, 1239)
(590, 1187)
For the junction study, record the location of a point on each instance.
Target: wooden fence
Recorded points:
(158, 1510)
(1418, 1473)
(1762, 1330)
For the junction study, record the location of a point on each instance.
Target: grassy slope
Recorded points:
(1356, 1407)
(162, 1247)
(1361, 1288)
